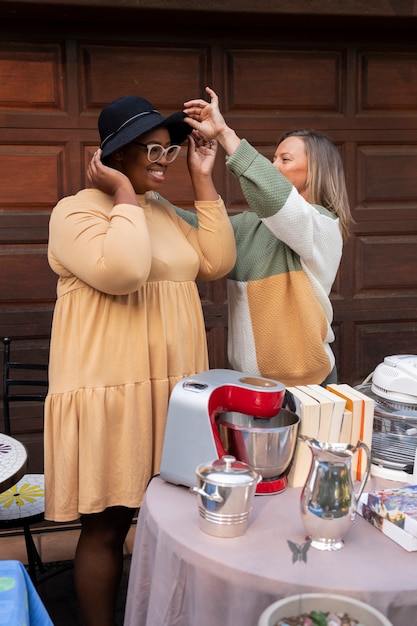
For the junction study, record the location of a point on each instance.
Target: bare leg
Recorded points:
(98, 565)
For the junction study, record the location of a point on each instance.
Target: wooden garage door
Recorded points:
(360, 89)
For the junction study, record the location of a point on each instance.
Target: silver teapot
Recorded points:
(328, 499)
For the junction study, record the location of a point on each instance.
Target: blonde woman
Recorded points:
(289, 248)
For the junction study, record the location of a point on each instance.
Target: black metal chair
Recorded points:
(23, 504)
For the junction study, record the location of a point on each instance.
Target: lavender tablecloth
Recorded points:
(181, 576)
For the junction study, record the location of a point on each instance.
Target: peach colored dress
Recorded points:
(127, 326)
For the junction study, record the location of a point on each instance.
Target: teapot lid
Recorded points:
(227, 470)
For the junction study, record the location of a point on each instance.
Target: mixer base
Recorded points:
(269, 487)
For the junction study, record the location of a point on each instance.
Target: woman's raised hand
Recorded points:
(110, 181)
(201, 153)
(205, 116)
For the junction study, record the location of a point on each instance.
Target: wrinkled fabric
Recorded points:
(124, 333)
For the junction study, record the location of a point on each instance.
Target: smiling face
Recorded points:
(133, 161)
(290, 159)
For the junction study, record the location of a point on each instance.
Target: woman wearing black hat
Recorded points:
(127, 326)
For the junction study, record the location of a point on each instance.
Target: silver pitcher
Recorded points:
(328, 499)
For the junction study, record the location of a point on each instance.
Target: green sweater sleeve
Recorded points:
(265, 189)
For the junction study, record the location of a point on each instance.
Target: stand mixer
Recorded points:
(224, 412)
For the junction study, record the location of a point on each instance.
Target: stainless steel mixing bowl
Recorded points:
(266, 445)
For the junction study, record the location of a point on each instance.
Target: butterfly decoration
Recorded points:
(299, 550)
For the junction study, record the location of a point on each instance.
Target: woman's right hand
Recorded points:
(205, 116)
(110, 181)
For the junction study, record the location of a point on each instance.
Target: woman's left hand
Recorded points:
(201, 153)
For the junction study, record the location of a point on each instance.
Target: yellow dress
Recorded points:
(127, 326)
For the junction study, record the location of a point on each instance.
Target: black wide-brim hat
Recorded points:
(128, 117)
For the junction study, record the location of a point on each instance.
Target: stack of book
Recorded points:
(394, 513)
(335, 414)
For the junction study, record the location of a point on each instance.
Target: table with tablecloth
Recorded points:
(181, 576)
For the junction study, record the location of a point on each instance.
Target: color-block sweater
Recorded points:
(288, 254)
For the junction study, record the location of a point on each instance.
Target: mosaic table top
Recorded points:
(13, 461)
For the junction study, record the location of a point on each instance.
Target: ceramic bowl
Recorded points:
(306, 602)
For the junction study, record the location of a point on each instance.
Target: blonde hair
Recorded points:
(326, 184)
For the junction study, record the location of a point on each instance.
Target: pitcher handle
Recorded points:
(362, 444)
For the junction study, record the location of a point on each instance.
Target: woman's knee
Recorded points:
(110, 526)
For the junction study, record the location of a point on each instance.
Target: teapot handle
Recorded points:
(362, 445)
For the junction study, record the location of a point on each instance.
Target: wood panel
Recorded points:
(109, 71)
(386, 178)
(388, 82)
(42, 181)
(283, 81)
(379, 259)
(32, 74)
